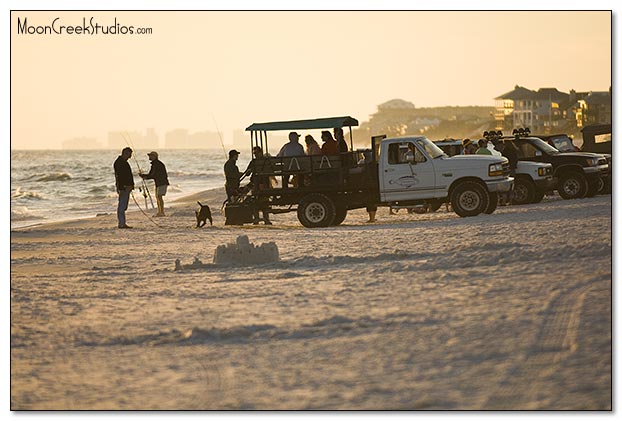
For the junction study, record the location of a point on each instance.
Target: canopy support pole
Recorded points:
(351, 147)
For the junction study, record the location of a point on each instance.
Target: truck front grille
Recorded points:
(506, 169)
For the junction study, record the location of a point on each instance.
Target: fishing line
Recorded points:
(143, 212)
(146, 192)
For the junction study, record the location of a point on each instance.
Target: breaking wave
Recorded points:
(22, 213)
(25, 194)
(56, 176)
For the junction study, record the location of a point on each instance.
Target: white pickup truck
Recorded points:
(405, 171)
(531, 181)
(414, 168)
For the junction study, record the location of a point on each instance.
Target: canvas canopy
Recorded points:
(318, 123)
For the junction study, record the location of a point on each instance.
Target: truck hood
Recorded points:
(583, 154)
(459, 162)
(476, 159)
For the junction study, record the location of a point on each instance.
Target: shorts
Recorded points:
(161, 190)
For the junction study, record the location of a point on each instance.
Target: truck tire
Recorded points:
(469, 198)
(572, 185)
(316, 210)
(341, 211)
(493, 199)
(594, 186)
(538, 196)
(523, 192)
(602, 186)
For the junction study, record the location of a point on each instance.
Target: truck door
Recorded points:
(408, 173)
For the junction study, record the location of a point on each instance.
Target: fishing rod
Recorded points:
(220, 137)
(145, 188)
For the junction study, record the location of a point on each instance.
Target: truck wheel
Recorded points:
(340, 214)
(594, 186)
(469, 198)
(572, 185)
(493, 199)
(316, 210)
(538, 196)
(602, 186)
(523, 192)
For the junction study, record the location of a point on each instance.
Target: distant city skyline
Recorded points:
(209, 71)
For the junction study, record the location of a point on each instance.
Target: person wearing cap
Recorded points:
(291, 148)
(124, 181)
(159, 175)
(232, 175)
(468, 147)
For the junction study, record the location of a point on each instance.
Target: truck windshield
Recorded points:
(432, 150)
(543, 146)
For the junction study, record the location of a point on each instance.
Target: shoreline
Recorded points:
(209, 196)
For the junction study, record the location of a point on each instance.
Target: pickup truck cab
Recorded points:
(531, 181)
(404, 171)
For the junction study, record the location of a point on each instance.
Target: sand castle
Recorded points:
(240, 253)
(243, 252)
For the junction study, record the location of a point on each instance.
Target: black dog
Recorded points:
(203, 215)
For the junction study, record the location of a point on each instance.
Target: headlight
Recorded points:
(591, 162)
(541, 171)
(495, 170)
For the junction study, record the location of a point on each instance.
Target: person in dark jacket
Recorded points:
(342, 146)
(511, 153)
(232, 175)
(160, 177)
(124, 181)
(259, 182)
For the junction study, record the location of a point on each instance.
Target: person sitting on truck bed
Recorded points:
(469, 148)
(483, 147)
(312, 146)
(329, 147)
(342, 146)
(292, 148)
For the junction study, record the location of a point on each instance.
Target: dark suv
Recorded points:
(578, 174)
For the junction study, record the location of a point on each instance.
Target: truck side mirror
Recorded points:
(410, 157)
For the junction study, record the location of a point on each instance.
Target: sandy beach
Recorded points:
(504, 311)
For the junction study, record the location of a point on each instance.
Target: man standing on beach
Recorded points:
(125, 184)
(232, 175)
(160, 177)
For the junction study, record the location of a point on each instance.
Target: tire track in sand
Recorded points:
(556, 340)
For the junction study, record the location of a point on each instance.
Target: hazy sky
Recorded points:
(246, 67)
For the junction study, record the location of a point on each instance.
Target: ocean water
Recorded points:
(55, 185)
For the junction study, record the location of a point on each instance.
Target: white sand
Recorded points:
(510, 310)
